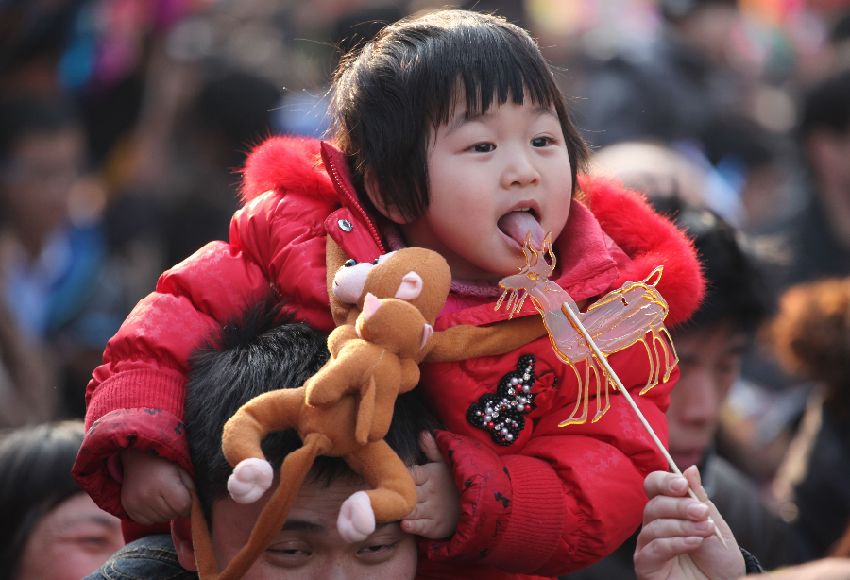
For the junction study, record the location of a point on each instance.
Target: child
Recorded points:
(452, 135)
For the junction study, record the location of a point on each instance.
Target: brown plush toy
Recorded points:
(350, 282)
(386, 310)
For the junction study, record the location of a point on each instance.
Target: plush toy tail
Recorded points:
(202, 543)
(293, 470)
(365, 413)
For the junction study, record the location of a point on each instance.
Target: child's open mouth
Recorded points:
(519, 223)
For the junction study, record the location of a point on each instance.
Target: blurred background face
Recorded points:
(71, 541)
(710, 361)
(38, 178)
(711, 28)
(830, 154)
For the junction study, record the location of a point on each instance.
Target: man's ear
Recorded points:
(181, 535)
(373, 191)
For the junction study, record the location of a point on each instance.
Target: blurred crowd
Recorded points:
(123, 125)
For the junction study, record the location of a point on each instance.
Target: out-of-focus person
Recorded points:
(58, 281)
(51, 529)
(652, 168)
(667, 87)
(810, 244)
(815, 243)
(748, 163)
(811, 336)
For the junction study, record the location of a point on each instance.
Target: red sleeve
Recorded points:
(135, 397)
(570, 497)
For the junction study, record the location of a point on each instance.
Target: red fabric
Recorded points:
(555, 500)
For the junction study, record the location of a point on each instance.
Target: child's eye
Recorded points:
(482, 147)
(542, 141)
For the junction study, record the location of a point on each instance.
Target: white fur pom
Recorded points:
(250, 480)
(356, 519)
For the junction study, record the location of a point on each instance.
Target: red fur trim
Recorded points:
(285, 163)
(649, 239)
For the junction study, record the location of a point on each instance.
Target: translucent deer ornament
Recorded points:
(634, 313)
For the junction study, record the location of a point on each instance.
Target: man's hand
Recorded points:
(154, 489)
(677, 539)
(437, 499)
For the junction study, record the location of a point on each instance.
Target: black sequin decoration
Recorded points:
(502, 415)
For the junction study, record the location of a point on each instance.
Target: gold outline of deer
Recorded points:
(617, 321)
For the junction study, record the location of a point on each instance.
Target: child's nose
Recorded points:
(519, 171)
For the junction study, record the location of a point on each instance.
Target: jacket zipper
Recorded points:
(340, 185)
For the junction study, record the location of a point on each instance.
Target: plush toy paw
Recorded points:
(250, 480)
(356, 519)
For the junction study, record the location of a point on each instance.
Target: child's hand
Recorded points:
(154, 489)
(437, 499)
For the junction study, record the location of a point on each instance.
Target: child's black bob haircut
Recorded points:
(388, 98)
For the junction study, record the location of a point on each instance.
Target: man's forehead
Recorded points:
(320, 527)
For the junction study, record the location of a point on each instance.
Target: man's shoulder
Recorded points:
(148, 557)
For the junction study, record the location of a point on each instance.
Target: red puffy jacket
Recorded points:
(553, 500)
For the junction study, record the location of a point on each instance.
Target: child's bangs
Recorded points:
(488, 71)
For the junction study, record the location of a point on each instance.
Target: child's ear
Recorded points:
(373, 191)
(181, 535)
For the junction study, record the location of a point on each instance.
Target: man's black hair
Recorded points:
(389, 97)
(736, 286)
(827, 105)
(258, 354)
(738, 138)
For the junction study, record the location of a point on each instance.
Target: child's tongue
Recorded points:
(518, 224)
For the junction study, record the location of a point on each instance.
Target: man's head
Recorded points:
(252, 357)
(711, 345)
(42, 152)
(825, 137)
(704, 25)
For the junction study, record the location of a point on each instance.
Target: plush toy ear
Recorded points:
(410, 287)
(370, 305)
(427, 331)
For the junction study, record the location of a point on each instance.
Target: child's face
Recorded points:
(512, 158)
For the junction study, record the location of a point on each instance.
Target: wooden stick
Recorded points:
(600, 356)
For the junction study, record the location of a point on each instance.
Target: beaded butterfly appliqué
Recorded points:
(631, 314)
